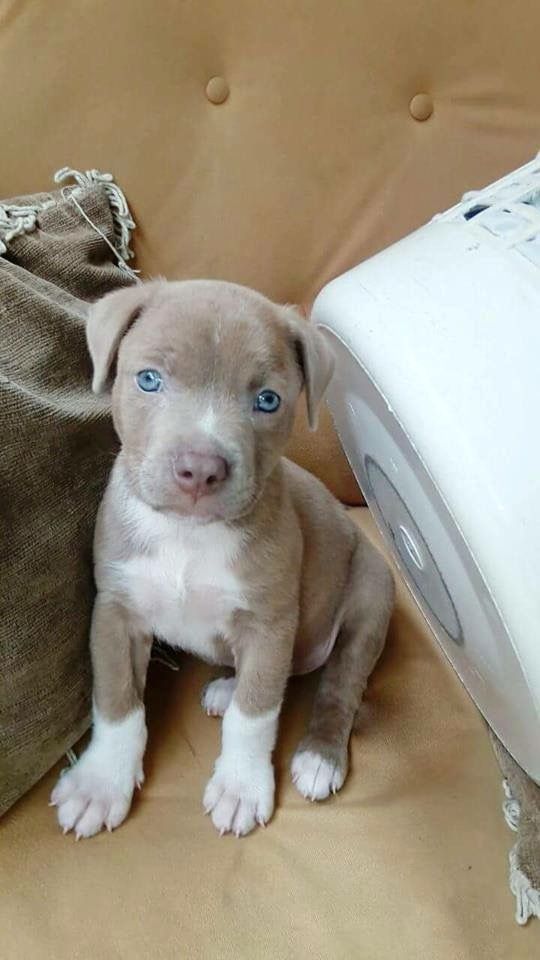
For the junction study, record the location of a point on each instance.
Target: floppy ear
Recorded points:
(316, 361)
(108, 321)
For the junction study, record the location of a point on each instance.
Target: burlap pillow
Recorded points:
(57, 444)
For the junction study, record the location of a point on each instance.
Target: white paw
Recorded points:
(97, 791)
(240, 800)
(86, 800)
(314, 777)
(217, 696)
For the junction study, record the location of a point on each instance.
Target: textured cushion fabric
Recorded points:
(408, 862)
(57, 446)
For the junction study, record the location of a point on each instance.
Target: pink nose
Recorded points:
(200, 473)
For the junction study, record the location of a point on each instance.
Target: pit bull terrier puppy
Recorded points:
(208, 538)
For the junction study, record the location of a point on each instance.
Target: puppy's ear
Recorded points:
(108, 321)
(315, 359)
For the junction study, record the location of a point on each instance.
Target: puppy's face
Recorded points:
(207, 378)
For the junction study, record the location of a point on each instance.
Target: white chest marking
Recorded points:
(182, 582)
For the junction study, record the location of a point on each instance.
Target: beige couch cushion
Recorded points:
(408, 861)
(57, 447)
(314, 160)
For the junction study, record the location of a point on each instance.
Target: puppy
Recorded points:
(210, 540)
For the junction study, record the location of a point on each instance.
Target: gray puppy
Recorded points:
(209, 539)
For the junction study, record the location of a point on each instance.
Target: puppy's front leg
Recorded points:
(97, 791)
(240, 793)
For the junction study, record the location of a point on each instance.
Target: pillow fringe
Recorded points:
(124, 223)
(16, 219)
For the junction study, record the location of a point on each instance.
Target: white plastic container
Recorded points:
(436, 399)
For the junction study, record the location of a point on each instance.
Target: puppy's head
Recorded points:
(206, 378)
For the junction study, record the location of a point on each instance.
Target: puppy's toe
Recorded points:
(86, 801)
(235, 814)
(238, 804)
(71, 810)
(217, 696)
(62, 789)
(118, 809)
(315, 776)
(91, 820)
(232, 814)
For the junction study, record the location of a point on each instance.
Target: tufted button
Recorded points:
(421, 106)
(217, 90)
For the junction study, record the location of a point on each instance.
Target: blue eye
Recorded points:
(149, 380)
(267, 401)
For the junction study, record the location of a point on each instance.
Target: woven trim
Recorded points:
(16, 219)
(527, 897)
(124, 223)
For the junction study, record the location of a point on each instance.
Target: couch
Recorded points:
(277, 144)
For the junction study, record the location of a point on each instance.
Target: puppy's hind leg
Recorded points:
(320, 764)
(217, 694)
